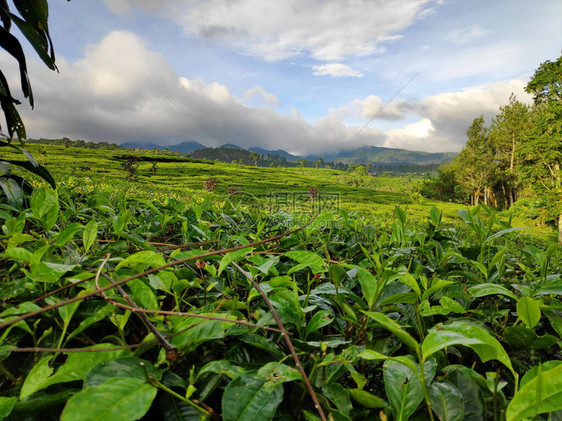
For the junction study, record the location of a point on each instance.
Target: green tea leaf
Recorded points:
(338, 394)
(6, 405)
(45, 206)
(307, 259)
(49, 272)
(68, 233)
(540, 395)
(78, 364)
(368, 284)
(251, 397)
(141, 260)
(36, 377)
(143, 295)
(90, 234)
(396, 329)
(320, 319)
(277, 373)
(120, 367)
(232, 256)
(366, 399)
(403, 389)
(466, 334)
(435, 216)
(521, 337)
(121, 221)
(409, 280)
(528, 311)
(447, 402)
(18, 253)
(118, 399)
(483, 290)
(200, 331)
(222, 367)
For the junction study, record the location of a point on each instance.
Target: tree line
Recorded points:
(518, 156)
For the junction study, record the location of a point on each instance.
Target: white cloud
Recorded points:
(335, 69)
(327, 30)
(451, 113)
(258, 95)
(373, 106)
(447, 116)
(121, 91)
(413, 136)
(464, 36)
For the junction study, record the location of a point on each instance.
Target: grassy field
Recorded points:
(373, 198)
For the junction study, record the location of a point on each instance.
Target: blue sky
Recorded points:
(301, 75)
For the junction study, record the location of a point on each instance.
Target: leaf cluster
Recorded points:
(415, 321)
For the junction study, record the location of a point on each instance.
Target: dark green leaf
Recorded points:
(464, 333)
(366, 399)
(446, 401)
(118, 399)
(251, 398)
(120, 367)
(403, 389)
(396, 329)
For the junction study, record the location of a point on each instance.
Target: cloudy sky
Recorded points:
(301, 75)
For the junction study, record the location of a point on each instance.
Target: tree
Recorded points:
(319, 162)
(445, 185)
(358, 169)
(301, 162)
(541, 151)
(475, 162)
(254, 156)
(505, 134)
(546, 83)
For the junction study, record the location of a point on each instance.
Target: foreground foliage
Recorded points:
(397, 324)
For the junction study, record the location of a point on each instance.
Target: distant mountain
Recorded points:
(381, 155)
(376, 155)
(231, 146)
(278, 152)
(182, 147)
(135, 145)
(186, 147)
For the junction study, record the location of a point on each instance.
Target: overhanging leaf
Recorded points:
(396, 329)
(466, 334)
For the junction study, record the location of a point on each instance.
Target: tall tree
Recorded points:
(505, 134)
(475, 162)
(541, 150)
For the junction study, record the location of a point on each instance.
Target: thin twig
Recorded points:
(117, 348)
(195, 315)
(287, 340)
(172, 352)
